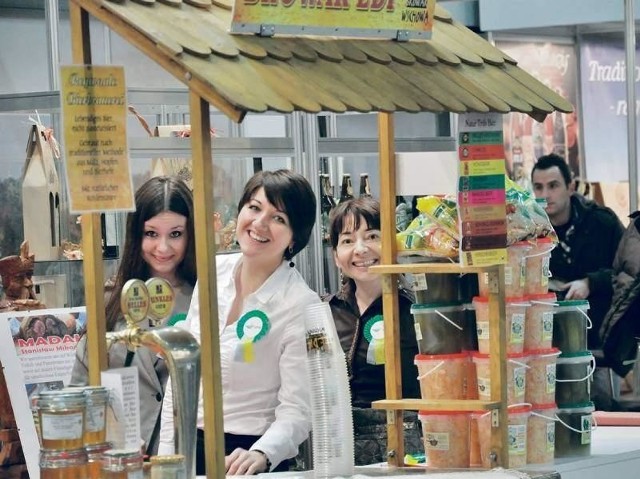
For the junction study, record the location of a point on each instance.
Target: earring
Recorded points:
(291, 263)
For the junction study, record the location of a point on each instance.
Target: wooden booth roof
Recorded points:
(456, 70)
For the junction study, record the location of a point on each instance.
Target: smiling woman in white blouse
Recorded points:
(261, 302)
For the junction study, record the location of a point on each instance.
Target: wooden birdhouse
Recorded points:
(41, 197)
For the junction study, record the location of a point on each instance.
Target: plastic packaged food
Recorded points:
(517, 435)
(537, 267)
(515, 309)
(424, 237)
(443, 376)
(573, 378)
(541, 376)
(442, 211)
(570, 325)
(514, 272)
(440, 327)
(541, 434)
(573, 431)
(538, 332)
(516, 376)
(446, 438)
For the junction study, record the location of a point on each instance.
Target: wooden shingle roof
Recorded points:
(456, 70)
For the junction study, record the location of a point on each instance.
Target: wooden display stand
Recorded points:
(394, 403)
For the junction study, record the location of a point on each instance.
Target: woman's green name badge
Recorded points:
(374, 334)
(251, 327)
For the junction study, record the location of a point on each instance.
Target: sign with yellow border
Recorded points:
(398, 19)
(94, 117)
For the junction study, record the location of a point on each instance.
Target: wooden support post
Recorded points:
(393, 382)
(206, 263)
(91, 238)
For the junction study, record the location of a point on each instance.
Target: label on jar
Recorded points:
(517, 439)
(519, 378)
(551, 436)
(547, 326)
(551, 378)
(418, 281)
(61, 426)
(517, 328)
(585, 437)
(482, 327)
(438, 441)
(95, 418)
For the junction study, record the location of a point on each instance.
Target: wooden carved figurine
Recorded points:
(17, 273)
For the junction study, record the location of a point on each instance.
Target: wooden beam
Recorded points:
(169, 62)
(206, 262)
(92, 266)
(390, 311)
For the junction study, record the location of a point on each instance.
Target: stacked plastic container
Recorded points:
(332, 421)
(575, 370)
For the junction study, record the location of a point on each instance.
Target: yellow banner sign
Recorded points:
(402, 19)
(94, 116)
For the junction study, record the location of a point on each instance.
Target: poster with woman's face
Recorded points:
(525, 140)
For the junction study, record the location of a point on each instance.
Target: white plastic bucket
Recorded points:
(439, 327)
(573, 378)
(570, 325)
(573, 431)
(517, 431)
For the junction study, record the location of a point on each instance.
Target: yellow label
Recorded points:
(484, 257)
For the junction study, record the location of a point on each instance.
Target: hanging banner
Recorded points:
(94, 116)
(398, 19)
(481, 190)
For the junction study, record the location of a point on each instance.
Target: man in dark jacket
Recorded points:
(581, 264)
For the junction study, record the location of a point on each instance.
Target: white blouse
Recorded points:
(265, 385)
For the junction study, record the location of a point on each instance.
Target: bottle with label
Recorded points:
(346, 190)
(365, 187)
(326, 204)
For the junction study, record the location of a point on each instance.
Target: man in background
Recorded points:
(581, 263)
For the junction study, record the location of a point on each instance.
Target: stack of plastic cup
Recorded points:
(331, 416)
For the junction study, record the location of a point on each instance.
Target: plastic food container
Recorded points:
(537, 267)
(538, 332)
(573, 378)
(541, 376)
(573, 431)
(431, 287)
(446, 438)
(440, 327)
(514, 272)
(516, 377)
(570, 325)
(515, 309)
(61, 417)
(541, 432)
(443, 376)
(470, 336)
(517, 431)
(475, 458)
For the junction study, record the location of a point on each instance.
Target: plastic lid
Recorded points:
(430, 306)
(480, 355)
(430, 357)
(515, 299)
(519, 408)
(574, 303)
(544, 239)
(577, 355)
(520, 244)
(579, 407)
(543, 352)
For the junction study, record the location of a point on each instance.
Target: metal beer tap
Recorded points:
(154, 301)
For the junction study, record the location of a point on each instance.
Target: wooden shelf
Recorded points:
(435, 405)
(415, 268)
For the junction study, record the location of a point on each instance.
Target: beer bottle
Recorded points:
(326, 203)
(346, 190)
(365, 188)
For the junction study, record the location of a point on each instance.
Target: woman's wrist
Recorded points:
(266, 458)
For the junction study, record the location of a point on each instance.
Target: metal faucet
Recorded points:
(140, 301)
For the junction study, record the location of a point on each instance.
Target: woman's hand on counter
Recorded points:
(242, 462)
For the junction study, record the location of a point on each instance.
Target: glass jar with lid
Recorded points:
(71, 464)
(61, 418)
(122, 464)
(168, 467)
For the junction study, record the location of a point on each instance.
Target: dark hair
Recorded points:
(156, 195)
(291, 193)
(549, 161)
(365, 208)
